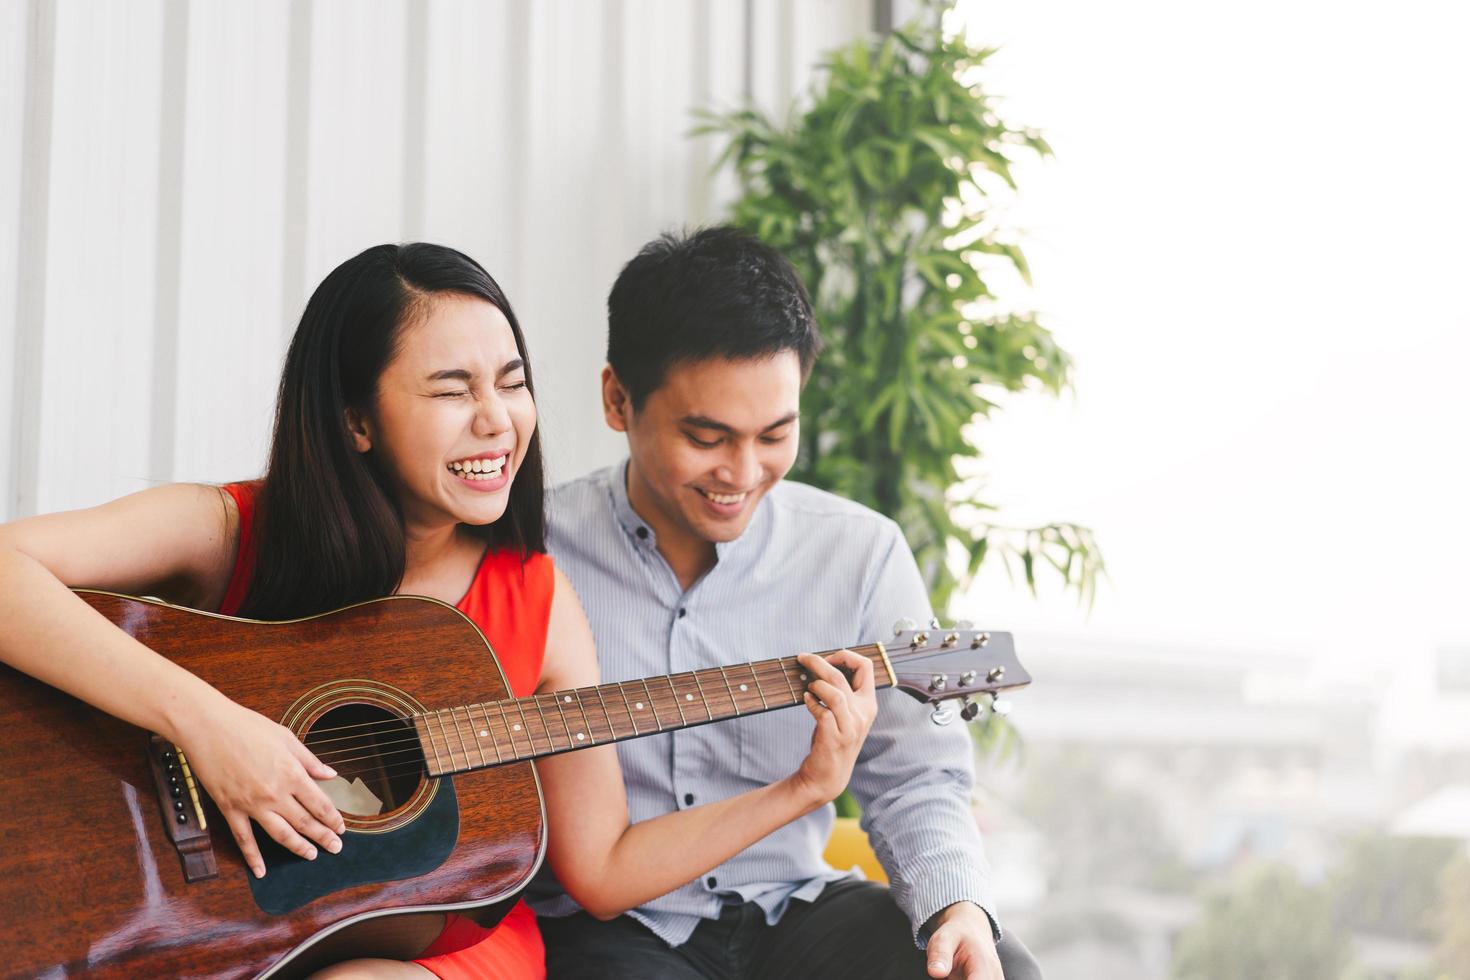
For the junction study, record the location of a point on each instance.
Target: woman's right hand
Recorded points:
(255, 769)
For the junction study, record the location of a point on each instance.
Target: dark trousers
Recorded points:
(853, 929)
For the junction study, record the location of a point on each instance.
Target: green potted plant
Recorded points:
(881, 193)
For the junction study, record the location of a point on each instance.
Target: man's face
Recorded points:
(709, 442)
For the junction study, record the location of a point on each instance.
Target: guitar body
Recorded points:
(92, 879)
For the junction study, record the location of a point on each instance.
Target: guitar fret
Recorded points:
(652, 707)
(703, 698)
(444, 733)
(525, 724)
(468, 764)
(758, 688)
(786, 676)
(733, 703)
(565, 724)
(545, 724)
(611, 732)
(674, 691)
(494, 739)
(632, 720)
(429, 737)
(586, 722)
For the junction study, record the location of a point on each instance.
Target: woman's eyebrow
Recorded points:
(512, 365)
(452, 374)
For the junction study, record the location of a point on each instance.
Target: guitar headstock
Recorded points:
(937, 664)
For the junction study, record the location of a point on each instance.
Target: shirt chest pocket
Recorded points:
(774, 744)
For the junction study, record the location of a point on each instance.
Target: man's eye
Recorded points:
(703, 443)
(773, 440)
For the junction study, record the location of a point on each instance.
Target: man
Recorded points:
(696, 553)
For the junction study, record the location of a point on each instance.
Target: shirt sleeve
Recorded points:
(913, 779)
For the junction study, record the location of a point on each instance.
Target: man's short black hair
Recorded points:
(716, 292)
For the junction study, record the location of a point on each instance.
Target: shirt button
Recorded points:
(682, 612)
(643, 533)
(711, 881)
(688, 799)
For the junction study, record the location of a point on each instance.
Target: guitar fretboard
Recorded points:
(475, 736)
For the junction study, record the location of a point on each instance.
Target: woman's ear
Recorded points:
(359, 429)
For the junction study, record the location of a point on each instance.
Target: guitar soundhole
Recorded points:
(380, 765)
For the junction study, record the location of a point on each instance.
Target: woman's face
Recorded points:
(453, 417)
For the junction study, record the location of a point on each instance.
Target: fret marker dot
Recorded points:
(484, 734)
(803, 677)
(568, 698)
(744, 688)
(516, 727)
(580, 736)
(638, 705)
(688, 697)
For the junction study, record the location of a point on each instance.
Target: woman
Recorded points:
(405, 460)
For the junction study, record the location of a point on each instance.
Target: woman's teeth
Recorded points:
(724, 498)
(478, 469)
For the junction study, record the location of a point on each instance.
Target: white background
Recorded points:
(176, 177)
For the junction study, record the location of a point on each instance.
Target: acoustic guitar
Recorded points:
(114, 862)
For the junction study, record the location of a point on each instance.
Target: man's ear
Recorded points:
(617, 404)
(359, 429)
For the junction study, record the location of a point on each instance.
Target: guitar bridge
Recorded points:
(183, 811)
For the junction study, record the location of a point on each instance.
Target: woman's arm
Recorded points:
(609, 865)
(184, 536)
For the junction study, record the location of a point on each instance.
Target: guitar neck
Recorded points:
(475, 736)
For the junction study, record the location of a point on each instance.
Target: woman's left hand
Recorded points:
(844, 712)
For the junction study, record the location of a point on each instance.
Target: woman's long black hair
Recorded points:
(327, 529)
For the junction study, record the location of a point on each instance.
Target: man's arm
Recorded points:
(914, 779)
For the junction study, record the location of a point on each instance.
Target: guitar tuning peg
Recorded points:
(904, 624)
(970, 710)
(942, 715)
(934, 624)
(1001, 706)
(964, 624)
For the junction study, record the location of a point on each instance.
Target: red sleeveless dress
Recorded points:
(511, 604)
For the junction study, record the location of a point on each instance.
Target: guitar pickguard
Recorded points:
(415, 848)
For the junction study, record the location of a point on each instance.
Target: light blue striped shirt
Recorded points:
(812, 572)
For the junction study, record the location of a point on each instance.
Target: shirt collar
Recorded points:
(633, 525)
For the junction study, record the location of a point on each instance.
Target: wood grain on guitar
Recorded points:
(109, 869)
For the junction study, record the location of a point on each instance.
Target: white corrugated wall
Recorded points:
(177, 176)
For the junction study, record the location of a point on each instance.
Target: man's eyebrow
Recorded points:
(705, 422)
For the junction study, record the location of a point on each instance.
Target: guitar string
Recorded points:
(758, 663)
(365, 728)
(402, 725)
(501, 731)
(415, 745)
(781, 664)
